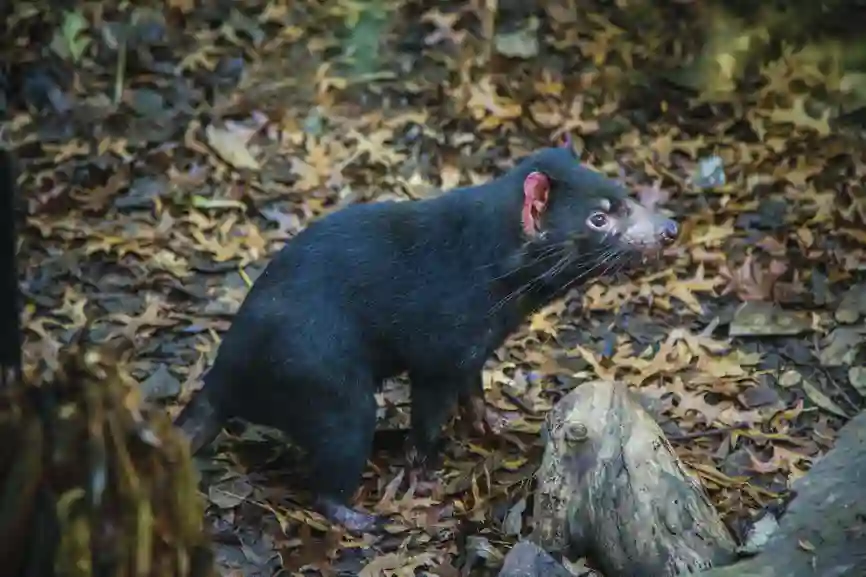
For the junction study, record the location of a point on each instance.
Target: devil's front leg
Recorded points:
(434, 397)
(431, 404)
(433, 400)
(474, 410)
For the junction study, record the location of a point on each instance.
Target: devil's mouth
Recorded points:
(643, 253)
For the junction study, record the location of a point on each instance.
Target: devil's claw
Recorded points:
(481, 418)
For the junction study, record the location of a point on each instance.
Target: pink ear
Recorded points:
(535, 189)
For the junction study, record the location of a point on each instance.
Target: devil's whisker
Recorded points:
(544, 254)
(522, 289)
(613, 254)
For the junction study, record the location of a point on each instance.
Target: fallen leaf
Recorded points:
(231, 147)
(822, 400)
(805, 545)
(797, 116)
(396, 565)
(857, 378)
(229, 494)
(521, 43)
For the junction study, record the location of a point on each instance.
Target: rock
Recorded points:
(529, 560)
(160, 385)
(853, 305)
(757, 318)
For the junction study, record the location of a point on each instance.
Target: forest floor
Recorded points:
(169, 151)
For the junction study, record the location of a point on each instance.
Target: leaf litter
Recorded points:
(164, 165)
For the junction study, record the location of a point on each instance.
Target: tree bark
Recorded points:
(612, 489)
(823, 531)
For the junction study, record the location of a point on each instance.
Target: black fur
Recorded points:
(377, 289)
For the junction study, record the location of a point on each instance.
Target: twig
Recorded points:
(709, 433)
(119, 73)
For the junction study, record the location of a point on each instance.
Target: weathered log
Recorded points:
(611, 488)
(823, 530)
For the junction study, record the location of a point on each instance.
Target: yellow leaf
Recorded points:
(600, 371)
(727, 65)
(799, 117)
(231, 147)
(712, 234)
(684, 293)
(540, 323)
(855, 234)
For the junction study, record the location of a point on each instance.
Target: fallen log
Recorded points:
(611, 488)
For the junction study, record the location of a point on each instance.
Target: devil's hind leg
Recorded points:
(335, 427)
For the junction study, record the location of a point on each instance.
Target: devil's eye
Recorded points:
(597, 220)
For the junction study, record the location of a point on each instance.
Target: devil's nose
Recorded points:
(669, 231)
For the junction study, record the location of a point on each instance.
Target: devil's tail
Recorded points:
(200, 420)
(10, 322)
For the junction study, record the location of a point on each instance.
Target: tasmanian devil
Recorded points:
(431, 288)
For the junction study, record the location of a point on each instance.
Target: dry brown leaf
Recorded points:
(376, 147)
(599, 296)
(489, 107)
(73, 308)
(231, 147)
(822, 400)
(543, 322)
(450, 176)
(600, 371)
(711, 235)
(546, 114)
(685, 293)
(574, 120)
(444, 27)
(399, 564)
(693, 401)
(666, 360)
(752, 282)
(782, 460)
(151, 316)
